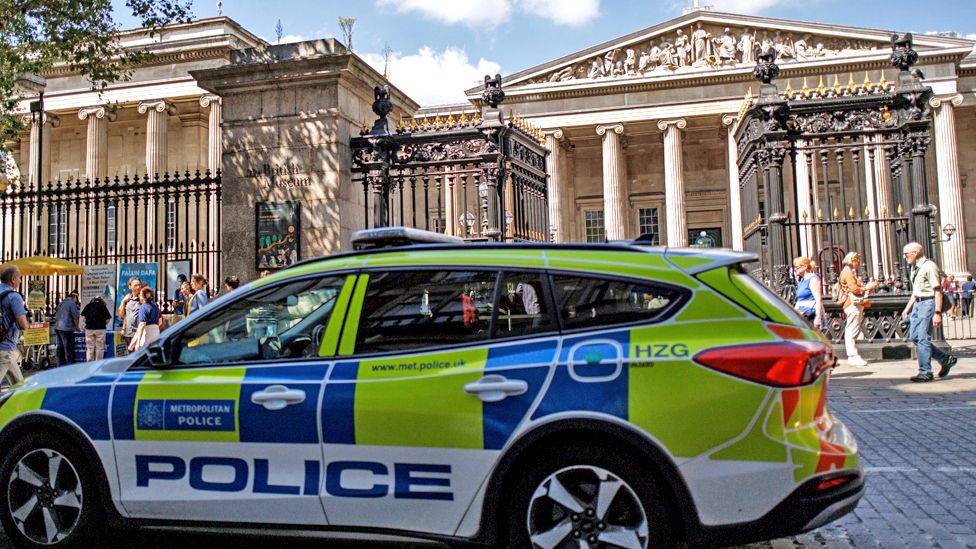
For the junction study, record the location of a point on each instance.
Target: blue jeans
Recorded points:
(66, 347)
(920, 330)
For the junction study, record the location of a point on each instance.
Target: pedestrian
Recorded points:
(855, 300)
(147, 329)
(66, 323)
(199, 299)
(97, 317)
(231, 283)
(179, 301)
(950, 291)
(129, 310)
(809, 291)
(13, 320)
(924, 312)
(968, 288)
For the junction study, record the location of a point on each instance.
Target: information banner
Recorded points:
(148, 273)
(37, 294)
(99, 280)
(37, 334)
(279, 235)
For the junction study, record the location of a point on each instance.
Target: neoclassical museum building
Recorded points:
(639, 128)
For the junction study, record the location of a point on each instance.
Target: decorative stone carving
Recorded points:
(99, 112)
(705, 46)
(493, 94)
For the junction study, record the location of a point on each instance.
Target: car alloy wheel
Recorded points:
(44, 496)
(587, 507)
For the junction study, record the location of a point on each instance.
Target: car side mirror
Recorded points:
(159, 356)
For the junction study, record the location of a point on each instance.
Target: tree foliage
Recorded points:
(38, 35)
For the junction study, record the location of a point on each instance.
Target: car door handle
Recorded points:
(276, 397)
(495, 388)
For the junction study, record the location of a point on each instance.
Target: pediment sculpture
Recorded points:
(705, 46)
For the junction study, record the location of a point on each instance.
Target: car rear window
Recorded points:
(591, 301)
(775, 307)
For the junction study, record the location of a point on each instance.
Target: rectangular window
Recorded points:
(171, 225)
(57, 237)
(406, 310)
(593, 224)
(649, 224)
(110, 230)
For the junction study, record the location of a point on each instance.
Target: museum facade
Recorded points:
(640, 129)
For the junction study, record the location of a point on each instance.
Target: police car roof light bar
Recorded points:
(387, 237)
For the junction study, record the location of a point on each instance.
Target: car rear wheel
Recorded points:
(47, 494)
(588, 498)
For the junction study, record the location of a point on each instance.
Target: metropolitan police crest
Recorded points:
(150, 415)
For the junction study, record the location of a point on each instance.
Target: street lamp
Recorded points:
(36, 83)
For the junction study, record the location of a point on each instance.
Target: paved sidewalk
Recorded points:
(918, 449)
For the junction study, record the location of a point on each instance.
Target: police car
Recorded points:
(528, 395)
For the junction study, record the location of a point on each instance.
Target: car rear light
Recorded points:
(779, 364)
(834, 482)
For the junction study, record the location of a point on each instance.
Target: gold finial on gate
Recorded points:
(805, 90)
(850, 213)
(804, 215)
(400, 125)
(836, 212)
(851, 86)
(424, 123)
(900, 210)
(821, 88)
(476, 118)
(413, 124)
(883, 83)
(450, 119)
(867, 212)
(463, 119)
(437, 120)
(788, 92)
(867, 84)
(837, 88)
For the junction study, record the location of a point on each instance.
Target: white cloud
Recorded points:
(473, 13)
(744, 6)
(562, 12)
(490, 14)
(288, 38)
(434, 78)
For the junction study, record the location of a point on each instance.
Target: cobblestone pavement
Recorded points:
(918, 448)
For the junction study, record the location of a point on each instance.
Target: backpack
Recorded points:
(837, 293)
(3, 315)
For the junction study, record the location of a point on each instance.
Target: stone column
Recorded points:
(557, 226)
(950, 188)
(614, 181)
(96, 150)
(735, 193)
(882, 186)
(215, 147)
(156, 132)
(674, 182)
(804, 200)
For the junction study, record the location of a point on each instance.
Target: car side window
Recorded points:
(523, 308)
(283, 322)
(406, 310)
(589, 301)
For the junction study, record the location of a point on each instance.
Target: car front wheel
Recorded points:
(47, 494)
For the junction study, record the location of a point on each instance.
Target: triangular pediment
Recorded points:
(704, 42)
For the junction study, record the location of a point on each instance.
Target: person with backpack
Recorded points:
(13, 320)
(968, 288)
(66, 323)
(809, 291)
(854, 297)
(924, 312)
(96, 317)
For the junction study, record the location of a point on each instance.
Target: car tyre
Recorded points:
(49, 495)
(575, 496)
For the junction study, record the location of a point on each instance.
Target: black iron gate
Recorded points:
(805, 159)
(112, 221)
(479, 177)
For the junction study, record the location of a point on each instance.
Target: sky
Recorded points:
(442, 47)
